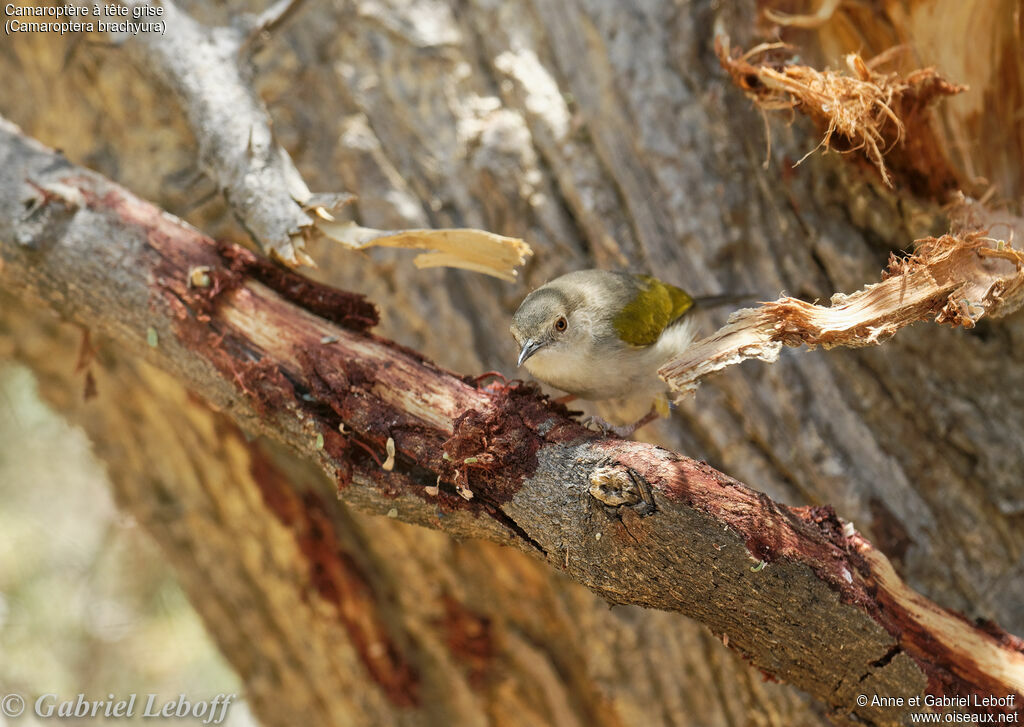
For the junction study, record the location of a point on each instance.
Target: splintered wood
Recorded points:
(865, 110)
(955, 279)
(476, 250)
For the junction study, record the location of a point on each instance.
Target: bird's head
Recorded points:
(551, 321)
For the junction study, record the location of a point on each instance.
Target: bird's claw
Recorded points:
(598, 424)
(626, 430)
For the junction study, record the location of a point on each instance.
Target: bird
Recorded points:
(602, 336)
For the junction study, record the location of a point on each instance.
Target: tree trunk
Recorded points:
(606, 134)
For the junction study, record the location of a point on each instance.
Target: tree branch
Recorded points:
(207, 70)
(203, 68)
(635, 523)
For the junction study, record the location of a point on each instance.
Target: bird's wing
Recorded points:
(655, 306)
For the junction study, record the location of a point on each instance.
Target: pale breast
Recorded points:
(594, 377)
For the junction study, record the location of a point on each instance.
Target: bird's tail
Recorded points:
(714, 301)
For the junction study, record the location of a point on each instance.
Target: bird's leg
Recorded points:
(625, 430)
(567, 399)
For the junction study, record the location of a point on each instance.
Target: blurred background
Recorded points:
(88, 603)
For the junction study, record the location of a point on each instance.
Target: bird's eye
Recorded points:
(561, 324)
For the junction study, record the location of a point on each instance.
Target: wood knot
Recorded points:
(618, 485)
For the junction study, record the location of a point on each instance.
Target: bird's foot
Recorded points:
(623, 431)
(567, 399)
(600, 425)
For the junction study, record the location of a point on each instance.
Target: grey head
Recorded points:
(574, 311)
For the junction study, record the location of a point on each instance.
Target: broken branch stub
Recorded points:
(955, 279)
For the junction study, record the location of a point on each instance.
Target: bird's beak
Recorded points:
(529, 348)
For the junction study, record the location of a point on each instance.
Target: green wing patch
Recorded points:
(656, 305)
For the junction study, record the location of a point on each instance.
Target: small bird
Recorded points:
(602, 336)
